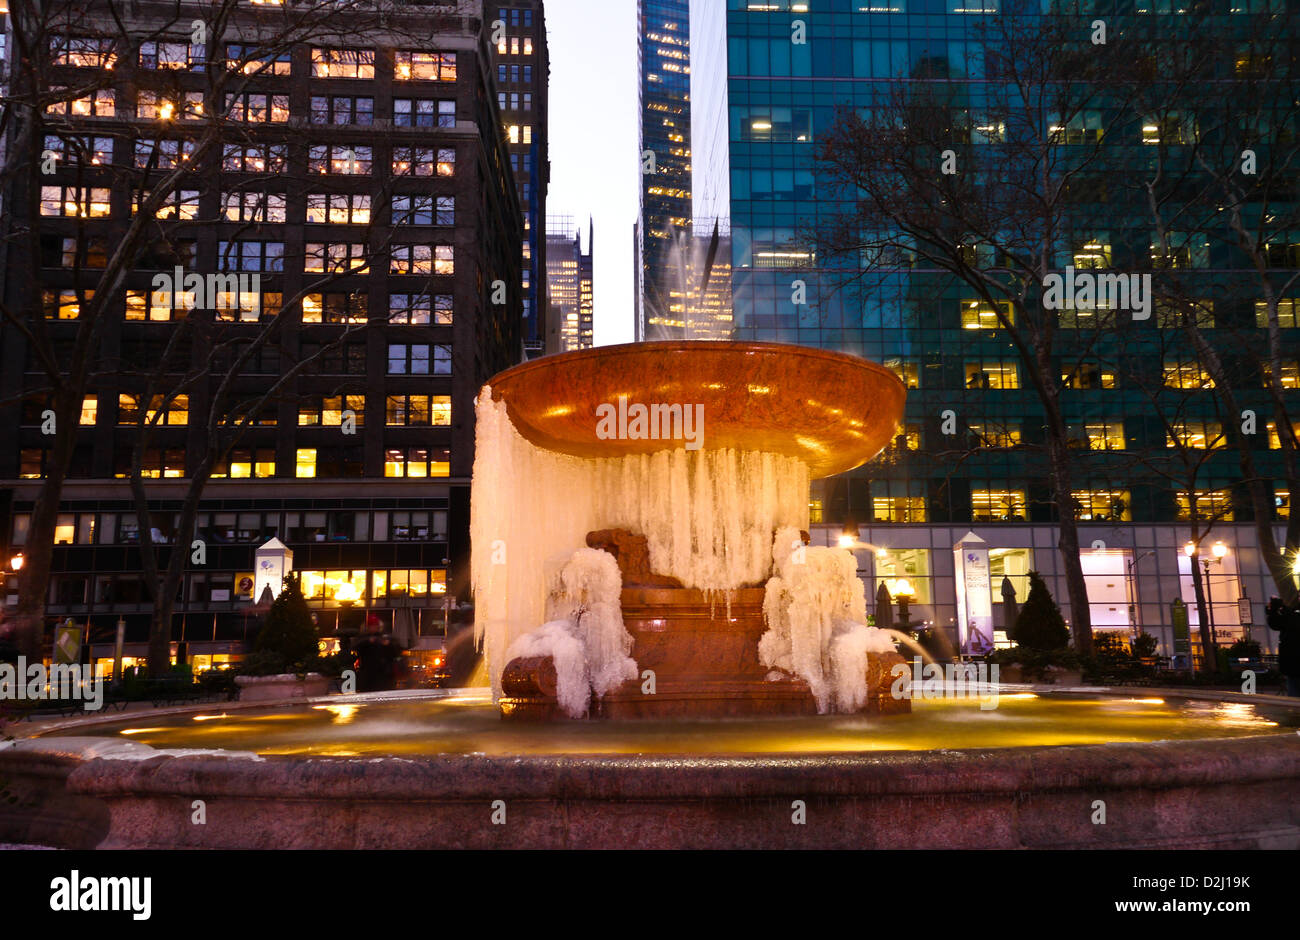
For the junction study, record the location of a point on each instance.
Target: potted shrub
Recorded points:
(285, 653)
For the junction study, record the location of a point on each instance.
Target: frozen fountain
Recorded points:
(663, 575)
(639, 532)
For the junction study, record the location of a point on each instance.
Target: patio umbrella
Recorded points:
(884, 607)
(1010, 609)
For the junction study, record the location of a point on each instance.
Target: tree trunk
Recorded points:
(1208, 646)
(1068, 543)
(38, 554)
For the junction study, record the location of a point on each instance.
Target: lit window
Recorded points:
(1101, 505)
(339, 160)
(63, 305)
(1185, 374)
(1211, 505)
(424, 66)
(338, 208)
(334, 257)
(905, 369)
(898, 508)
(992, 375)
(342, 63)
(253, 207)
(74, 201)
(305, 462)
(1087, 375)
(1288, 373)
(94, 52)
(1099, 435)
(1286, 314)
(996, 505)
(1094, 253)
(994, 435)
(1196, 435)
(1175, 316)
(979, 315)
(89, 410)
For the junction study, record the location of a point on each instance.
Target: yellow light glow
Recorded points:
(342, 713)
(846, 541)
(347, 593)
(1189, 549)
(1219, 549)
(210, 717)
(16, 563)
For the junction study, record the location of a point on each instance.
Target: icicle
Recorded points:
(708, 517)
(816, 610)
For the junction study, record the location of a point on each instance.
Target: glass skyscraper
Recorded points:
(790, 66)
(664, 54)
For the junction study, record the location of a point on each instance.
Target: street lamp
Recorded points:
(1219, 550)
(904, 594)
(849, 534)
(16, 563)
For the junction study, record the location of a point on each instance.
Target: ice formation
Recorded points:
(816, 613)
(556, 639)
(708, 516)
(585, 635)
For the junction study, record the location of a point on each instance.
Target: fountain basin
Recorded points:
(830, 410)
(698, 657)
(1220, 792)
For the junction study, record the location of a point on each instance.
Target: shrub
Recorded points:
(288, 640)
(1144, 646)
(1040, 625)
(1243, 649)
(1109, 648)
(1035, 663)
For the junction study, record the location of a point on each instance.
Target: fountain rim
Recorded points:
(844, 455)
(684, 345)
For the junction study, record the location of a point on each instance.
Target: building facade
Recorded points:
(664, 71)
(790, 67)
(569, 284)
(341, 258)
(523, 68)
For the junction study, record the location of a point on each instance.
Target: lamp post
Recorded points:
(347, 595)
(904, 594)
(1218, 550)
(16, 566)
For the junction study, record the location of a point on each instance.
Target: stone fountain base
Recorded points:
(703, 654)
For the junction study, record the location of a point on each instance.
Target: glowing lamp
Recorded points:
(16, 563)
(1189, 549)
(1219, 549)
(347, 593)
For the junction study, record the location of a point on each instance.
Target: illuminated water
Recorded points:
(469, 724)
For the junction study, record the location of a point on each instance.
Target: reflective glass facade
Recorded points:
(791, 65)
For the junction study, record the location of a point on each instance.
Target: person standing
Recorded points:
(1285, 619)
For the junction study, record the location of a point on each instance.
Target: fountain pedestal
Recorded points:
(704, 658)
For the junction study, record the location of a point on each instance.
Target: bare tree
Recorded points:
(1219, 187)
(995, 195)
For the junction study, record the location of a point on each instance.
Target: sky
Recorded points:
(593, 141)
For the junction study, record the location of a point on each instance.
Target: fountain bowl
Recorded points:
(831, 410)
